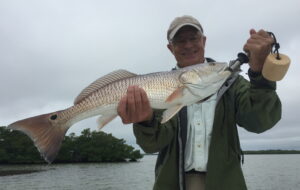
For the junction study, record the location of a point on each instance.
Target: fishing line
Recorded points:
(275, 45)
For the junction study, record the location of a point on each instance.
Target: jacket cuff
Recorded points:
(144, 129)
(259, 82)
(149, 123)
(148, 127)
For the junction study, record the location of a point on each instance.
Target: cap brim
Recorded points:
(175, 30)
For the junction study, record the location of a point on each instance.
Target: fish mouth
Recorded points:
(228, 69)
(223, 69)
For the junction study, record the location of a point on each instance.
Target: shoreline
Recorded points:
(262, 152)
(17, 172)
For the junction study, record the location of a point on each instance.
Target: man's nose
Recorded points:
(188, 43)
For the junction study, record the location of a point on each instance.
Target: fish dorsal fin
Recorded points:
(103, 81)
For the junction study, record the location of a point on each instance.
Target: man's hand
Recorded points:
(259, 46)
(134, 107)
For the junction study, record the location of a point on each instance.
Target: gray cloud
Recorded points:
(51, 50)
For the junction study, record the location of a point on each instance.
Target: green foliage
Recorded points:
(15, 147)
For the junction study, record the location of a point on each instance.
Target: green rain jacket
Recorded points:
(252, 105)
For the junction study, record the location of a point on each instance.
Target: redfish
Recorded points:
(169, 90)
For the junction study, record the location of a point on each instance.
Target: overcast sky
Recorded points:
(51, 49)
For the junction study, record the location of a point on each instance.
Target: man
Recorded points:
(199, 147)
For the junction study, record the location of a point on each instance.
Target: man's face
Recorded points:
(188, 46)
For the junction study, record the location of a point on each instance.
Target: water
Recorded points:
(262, 172)
(272, 172)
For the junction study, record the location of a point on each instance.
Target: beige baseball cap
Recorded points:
(179, 22)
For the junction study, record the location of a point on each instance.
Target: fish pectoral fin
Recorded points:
(178, 93)
(169, 113)
(105, 119)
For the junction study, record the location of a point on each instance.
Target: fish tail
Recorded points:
(46, 131)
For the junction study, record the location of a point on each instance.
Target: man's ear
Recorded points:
(204, 40)
(170, 47)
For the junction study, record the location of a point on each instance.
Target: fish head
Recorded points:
(204, 79)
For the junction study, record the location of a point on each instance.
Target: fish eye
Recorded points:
(53, 117)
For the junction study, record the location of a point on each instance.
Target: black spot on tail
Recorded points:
(53, 117)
